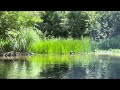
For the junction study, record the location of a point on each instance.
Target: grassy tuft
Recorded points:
(61, 46)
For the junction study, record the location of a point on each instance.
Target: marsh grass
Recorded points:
(61, 46)
(28, 40)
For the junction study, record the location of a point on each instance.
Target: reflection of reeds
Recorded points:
(59, 59)
(61, 46)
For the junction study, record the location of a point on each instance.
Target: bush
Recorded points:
(20, 40)
(24, 39)
(110, 43)
(61, 46)
(5, 45)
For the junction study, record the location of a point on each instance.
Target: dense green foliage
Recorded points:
(15, 20)
(17, 30)
(107, 25)
(61, 46)
(21, 41)
(112, 43)
(66, 23)
(59, 31)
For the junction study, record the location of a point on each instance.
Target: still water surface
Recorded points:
(60, 67)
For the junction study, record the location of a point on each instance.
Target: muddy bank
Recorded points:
(12, 53)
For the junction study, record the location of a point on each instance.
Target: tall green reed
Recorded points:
(61, 46)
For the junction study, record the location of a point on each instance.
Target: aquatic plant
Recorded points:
(61, 46)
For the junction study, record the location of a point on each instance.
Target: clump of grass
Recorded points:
(24, 39)
(51, 59)
(61, 46)
(5, 45)
(19, 40)
(29, 40)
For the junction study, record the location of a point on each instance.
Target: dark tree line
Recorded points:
(96, 24)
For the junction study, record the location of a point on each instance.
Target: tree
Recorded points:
(77, 23)
(51, 24)
(106, 25)
(65, 23)
(15, 20)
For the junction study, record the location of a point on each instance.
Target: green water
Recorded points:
(60, 67)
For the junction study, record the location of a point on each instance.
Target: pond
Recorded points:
(60, 67)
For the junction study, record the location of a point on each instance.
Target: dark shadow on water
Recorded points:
(55, 71)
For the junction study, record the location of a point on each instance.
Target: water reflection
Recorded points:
(55, 71)
(61, 67)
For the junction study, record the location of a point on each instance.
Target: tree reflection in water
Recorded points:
(55, 71)
(101, 67)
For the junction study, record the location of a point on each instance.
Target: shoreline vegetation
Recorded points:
(12, 53)
(60, 46)
(111, 52)
(45, 46)
(59, 32)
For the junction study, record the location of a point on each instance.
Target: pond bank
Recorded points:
(107, 52)
(98, 52)
(12, 53)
